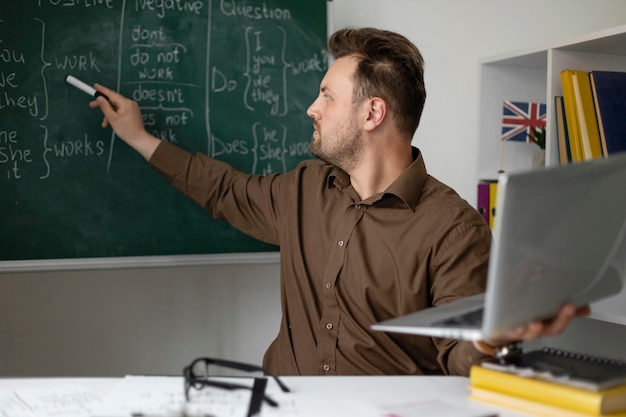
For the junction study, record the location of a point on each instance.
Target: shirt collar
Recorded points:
(407, 187)
(337, 178)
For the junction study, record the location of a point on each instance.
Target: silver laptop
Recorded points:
(558, 237)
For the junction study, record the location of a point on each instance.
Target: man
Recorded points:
(365, 233)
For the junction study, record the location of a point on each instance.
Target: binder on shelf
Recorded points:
(571, 115)
(486, 199)
(565, 153)
(609, 90)
(482, 203)
(493, 193)
(582, 125)
(587, 121)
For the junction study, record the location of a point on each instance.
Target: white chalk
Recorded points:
(71, 80)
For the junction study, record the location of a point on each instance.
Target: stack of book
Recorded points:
(591, 115)
(549, 383)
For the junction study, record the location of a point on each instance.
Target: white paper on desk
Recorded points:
(164, 396)
(64, 400)
(431, 408)
(306, 404)
(12, 406)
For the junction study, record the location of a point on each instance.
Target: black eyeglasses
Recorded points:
(197, 376)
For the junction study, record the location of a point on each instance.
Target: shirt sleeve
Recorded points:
(460, 270)
(244, 200)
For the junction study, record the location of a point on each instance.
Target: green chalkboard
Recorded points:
(230, 78)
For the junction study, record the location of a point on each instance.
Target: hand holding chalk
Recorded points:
(123, 115)
(71, 80)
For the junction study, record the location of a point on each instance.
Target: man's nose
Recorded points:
(312, 110)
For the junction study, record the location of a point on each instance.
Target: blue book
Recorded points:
(609, 90)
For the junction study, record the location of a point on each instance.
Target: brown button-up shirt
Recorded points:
(347, 263)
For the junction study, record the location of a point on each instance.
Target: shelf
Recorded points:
(534, 76)
(610, 42)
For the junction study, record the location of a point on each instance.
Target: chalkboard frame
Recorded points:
(129, 262)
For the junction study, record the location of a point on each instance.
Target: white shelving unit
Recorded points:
(534, 75)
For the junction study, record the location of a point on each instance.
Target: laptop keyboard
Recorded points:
(473, 318)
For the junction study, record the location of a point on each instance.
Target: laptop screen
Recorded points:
(558, 237)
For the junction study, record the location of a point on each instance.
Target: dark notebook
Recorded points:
(568, 368)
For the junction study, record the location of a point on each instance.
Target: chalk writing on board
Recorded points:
(159, 84)
(222, 77)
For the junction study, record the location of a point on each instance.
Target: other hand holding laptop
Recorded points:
(533, 330)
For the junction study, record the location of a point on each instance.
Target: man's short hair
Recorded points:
(390, 67)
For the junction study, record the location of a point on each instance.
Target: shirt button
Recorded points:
(340, 243)
(357, 206)
(329, 326)
(328, 285)
(326, 368)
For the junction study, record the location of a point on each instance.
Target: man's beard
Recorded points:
(341, 148)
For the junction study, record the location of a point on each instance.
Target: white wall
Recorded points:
(116, 322)
(113, 322)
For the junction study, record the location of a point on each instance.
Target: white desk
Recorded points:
(325, 396)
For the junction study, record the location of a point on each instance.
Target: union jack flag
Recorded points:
(519, 117)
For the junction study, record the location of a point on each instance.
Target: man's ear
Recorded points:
(377, 110)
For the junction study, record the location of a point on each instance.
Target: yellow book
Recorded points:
(493, 191)
(587, 120)
(527, 406)
(571, 115)
(610, 400)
